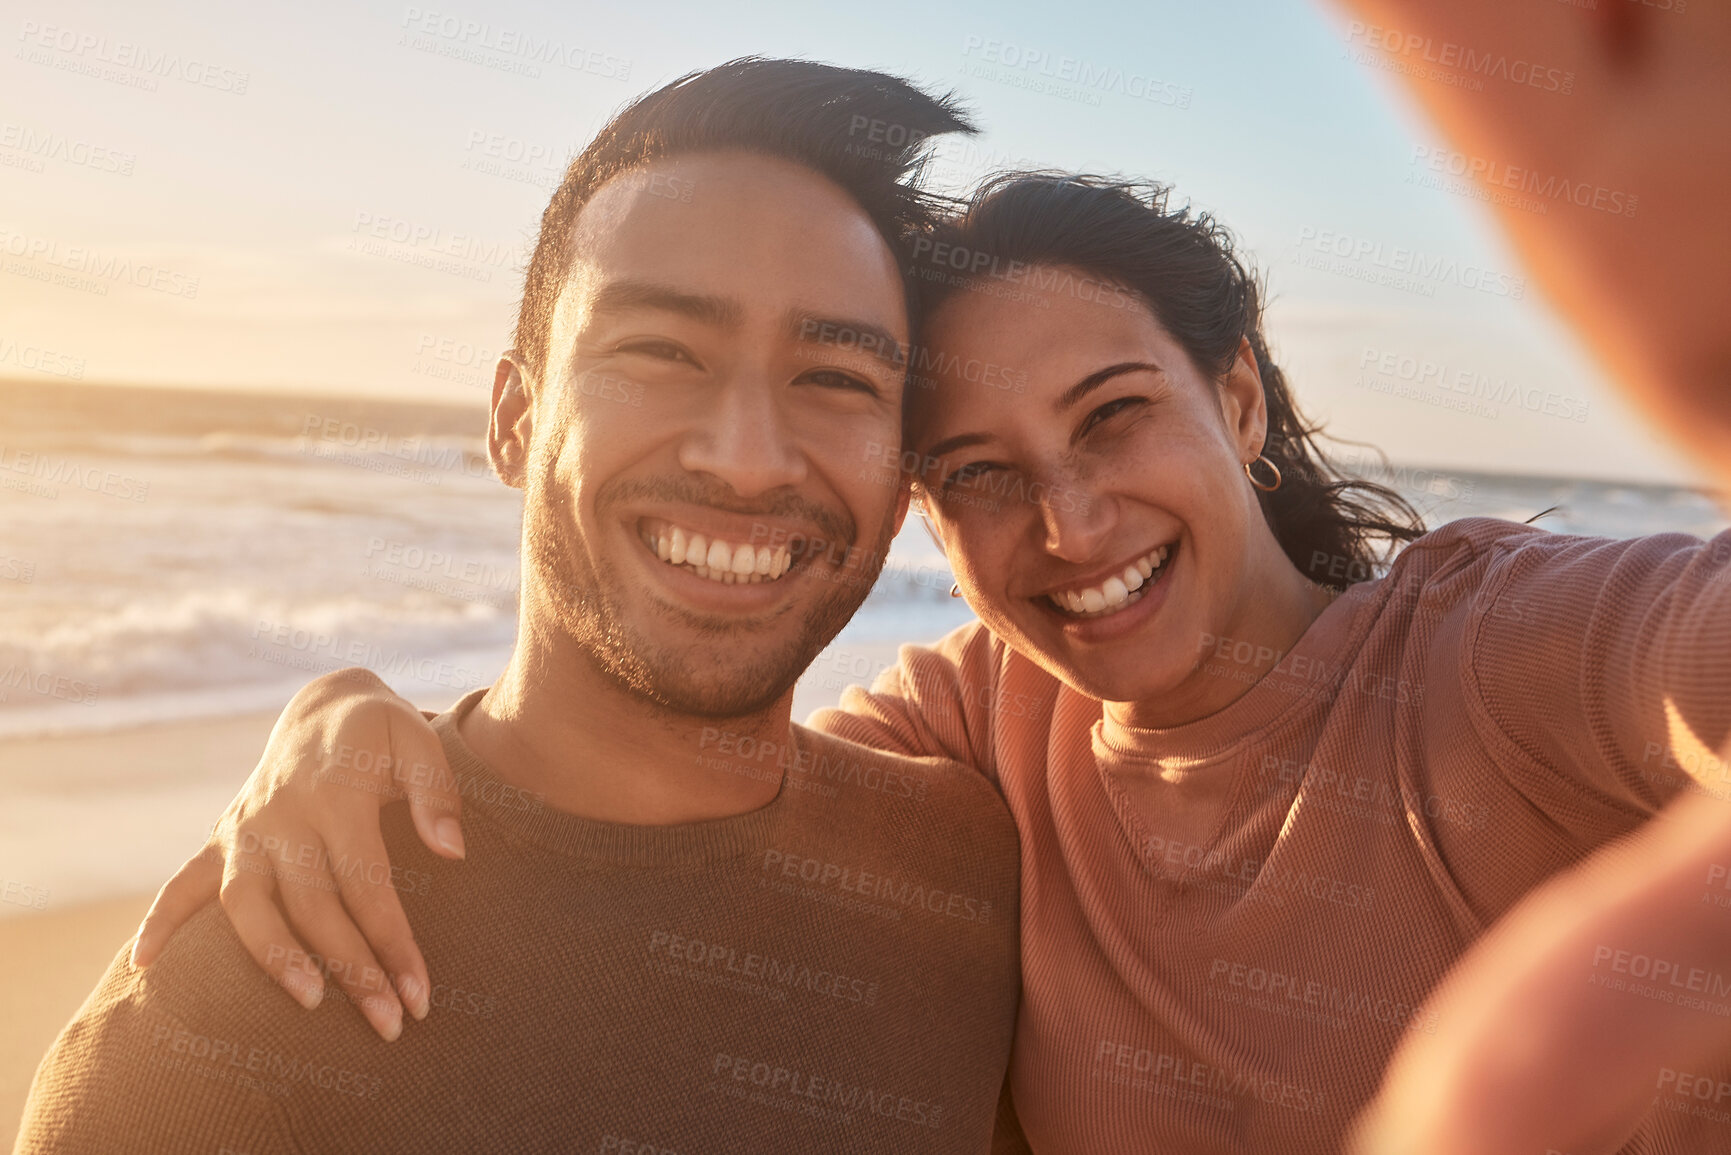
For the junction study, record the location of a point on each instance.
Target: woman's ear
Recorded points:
(1243, 403)
(926, 519)
(511, 419)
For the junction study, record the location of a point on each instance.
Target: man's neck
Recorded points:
(554, 725)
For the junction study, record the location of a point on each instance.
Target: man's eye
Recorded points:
(834, 379)
(661, 350)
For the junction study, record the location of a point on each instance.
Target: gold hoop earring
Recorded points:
(955, 590)
(1270, 488)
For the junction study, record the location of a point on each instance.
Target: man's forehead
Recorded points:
(735, 224)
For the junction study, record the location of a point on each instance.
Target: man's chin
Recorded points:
(705, 680)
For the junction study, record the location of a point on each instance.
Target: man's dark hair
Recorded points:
(866, 131)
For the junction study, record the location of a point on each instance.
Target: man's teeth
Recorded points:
(1115, 592)
(718, 560)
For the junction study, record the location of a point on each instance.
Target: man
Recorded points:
(647, 955)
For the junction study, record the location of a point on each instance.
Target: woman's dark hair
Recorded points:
(1021, 227)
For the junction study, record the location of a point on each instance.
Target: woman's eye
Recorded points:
(1109, 410)
(968, 474)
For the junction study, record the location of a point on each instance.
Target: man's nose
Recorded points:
(743, 439)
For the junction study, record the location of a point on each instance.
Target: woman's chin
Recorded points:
(1120, 681)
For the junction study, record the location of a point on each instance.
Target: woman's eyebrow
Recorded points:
(951, 444)
(1098, 378)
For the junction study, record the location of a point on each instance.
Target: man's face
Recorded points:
(726, 345)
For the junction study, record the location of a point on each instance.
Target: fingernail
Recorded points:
(386, 1017)
(137, 946)
(414, 995)
(308, 991)
(450, 835)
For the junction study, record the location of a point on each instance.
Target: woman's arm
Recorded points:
(1545, 1042)
(936, 701)
(1597, 670)
(345, 745)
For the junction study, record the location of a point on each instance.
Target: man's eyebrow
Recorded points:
(850, 336)
(618, 296)
(1098, 378)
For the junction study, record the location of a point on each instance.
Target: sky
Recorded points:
(338, 197)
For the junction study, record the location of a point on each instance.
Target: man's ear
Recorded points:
(511, 419)
(1243, 403)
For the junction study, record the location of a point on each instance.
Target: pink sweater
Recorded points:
(1228, 925)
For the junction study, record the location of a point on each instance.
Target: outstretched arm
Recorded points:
(1530, 1056)
(305, 829)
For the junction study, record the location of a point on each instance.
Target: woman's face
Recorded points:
(1087, 480)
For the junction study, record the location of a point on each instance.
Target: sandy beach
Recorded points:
(95, 823)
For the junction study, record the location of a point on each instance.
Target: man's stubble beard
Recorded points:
(585, 597)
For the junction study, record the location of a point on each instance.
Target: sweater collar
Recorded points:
(526, 818)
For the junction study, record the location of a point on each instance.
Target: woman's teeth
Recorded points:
(717, 560)
(1115, 592)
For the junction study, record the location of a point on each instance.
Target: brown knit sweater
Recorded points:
(833, 972)
(1228, 925)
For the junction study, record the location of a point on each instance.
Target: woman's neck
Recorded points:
(1276, 608)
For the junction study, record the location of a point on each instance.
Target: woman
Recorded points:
(1263, 804)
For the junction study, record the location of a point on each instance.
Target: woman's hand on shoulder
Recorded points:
(305, 830)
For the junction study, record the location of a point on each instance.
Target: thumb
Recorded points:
(435, 799)
(197, 882)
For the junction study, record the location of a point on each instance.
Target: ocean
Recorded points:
(176, 553)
